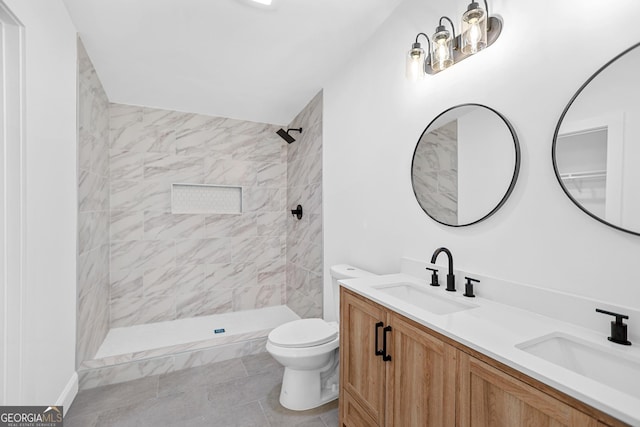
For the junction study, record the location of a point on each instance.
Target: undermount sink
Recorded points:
(606, 365)
(413, 294)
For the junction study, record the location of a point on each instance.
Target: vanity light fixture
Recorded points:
(474, 28)
(416, 59)
(479, 30)
(442, 46)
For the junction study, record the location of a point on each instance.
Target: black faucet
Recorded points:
(468, 287)
(434, 276)
(451, 279)
(618, 327)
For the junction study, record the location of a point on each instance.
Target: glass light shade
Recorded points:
(474, 29)
(415, 63)
(441, 50)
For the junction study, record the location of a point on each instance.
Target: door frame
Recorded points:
(12, 205)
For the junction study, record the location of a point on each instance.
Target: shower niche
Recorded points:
(205, 199)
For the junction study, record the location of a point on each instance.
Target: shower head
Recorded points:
(284, 134)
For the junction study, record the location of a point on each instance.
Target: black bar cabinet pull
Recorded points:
(386, 357)
(377, 349)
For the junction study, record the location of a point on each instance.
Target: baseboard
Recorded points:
(68, 393)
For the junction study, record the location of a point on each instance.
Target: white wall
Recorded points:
(373, 118)
(49, 323)
(486, 161)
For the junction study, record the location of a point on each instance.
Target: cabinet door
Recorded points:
(490, 397)
(352, 414)
(421, 380)
(361, 371)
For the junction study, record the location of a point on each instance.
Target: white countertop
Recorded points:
(495, 329)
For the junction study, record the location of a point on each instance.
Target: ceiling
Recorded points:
(223, 57)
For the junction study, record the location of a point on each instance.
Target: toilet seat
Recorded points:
(303, 333)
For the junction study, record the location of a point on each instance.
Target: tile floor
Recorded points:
(240, 392)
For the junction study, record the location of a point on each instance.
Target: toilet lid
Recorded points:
(303, 333)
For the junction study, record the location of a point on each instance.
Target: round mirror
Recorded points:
(595, 146)
(465, 165)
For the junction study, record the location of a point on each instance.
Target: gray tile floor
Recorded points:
(240, 392)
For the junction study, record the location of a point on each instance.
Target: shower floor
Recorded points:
(138, 351)
(133, 339)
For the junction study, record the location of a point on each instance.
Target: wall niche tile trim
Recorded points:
(205, 199)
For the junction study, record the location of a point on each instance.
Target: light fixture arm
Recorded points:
(486, 7)
(426, 37)
(450, 22)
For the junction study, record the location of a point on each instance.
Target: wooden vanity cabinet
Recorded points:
(432, 380)
(490, 397)
(421, 377)
(362, 372)
(415, 387)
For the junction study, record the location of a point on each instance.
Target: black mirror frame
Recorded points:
(557, 131)
(516, 167)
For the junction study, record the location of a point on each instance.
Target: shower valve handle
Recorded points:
(297, 212)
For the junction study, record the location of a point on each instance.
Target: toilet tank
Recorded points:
(343, 271)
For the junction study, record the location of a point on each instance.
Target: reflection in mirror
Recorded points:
(595, 150)
(582, 160)
(465, 165)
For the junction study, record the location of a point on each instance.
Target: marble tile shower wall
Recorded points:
(166, 266)
(93, 211)
(439, 186)
(304, 237)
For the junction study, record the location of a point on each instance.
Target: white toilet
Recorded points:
(308, 350)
